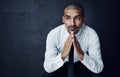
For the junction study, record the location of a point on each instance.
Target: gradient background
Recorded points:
(24, 25)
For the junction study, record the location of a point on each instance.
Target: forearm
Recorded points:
(95, 65)
(53, 63)
(80, 54)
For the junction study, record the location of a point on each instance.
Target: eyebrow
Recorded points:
(78, 15)
(75, 16)
(66, 15)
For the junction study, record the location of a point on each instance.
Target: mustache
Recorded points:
(72, 27)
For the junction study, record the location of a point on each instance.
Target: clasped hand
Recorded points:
(67, 46)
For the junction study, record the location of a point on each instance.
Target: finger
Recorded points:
(74, 44)
(71, 32)
(72, 35)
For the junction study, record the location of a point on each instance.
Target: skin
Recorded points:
(73, 20)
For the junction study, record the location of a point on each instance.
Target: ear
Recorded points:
(63, 19)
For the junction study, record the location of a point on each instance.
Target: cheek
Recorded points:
(79, 23)
(67, 23)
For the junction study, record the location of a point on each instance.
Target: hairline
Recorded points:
(75, 6)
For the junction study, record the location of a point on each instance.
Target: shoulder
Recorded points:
(55, 31)
(91, 35)
(87, 29)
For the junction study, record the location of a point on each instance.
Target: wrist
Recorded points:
(63, 56)
(81, 55)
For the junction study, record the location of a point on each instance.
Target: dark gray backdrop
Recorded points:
(24, 25)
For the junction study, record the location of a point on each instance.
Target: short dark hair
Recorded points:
(75, 5)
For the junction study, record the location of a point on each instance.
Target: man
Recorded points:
(87, 54)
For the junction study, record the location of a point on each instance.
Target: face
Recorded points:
(73, 20)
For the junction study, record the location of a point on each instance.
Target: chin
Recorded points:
(72, 31)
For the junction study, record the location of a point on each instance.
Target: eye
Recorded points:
(67, 17)
(78, 17)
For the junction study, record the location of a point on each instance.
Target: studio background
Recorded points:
(24, 25)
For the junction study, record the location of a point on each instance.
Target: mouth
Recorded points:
(72, 28)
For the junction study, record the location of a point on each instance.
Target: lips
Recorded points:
(72, 28)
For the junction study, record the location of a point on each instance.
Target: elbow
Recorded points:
(48, 71)
(99, 69)
(47, 68)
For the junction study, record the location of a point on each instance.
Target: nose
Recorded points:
(72, 21)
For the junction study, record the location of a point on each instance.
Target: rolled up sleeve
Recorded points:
(53, 60)
(93, 60)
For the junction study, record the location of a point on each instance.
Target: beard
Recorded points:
(72, 28)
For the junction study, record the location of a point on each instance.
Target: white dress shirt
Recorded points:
(88, 40)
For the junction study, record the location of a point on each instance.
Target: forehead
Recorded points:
(72, 12)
